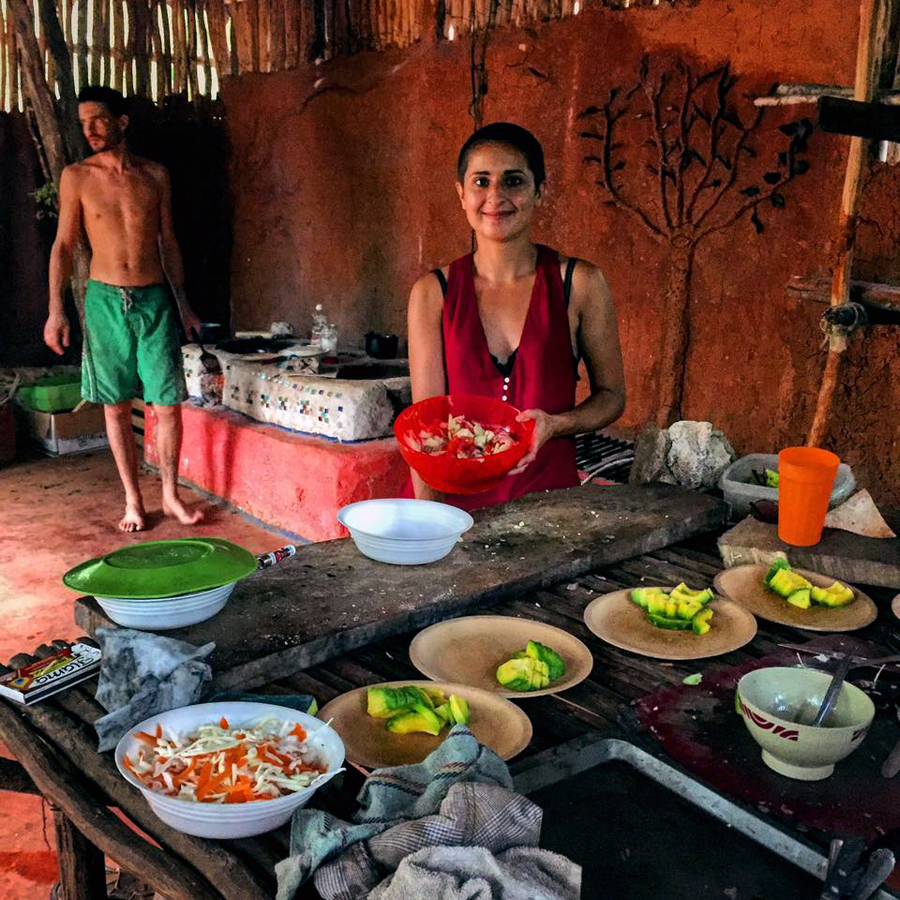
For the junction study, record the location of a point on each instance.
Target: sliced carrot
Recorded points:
(203, 783)
(299, 732)
(223, 723)
(158, 730)
(282, 759)
(218, 783)
(180, 777)
(146, 738)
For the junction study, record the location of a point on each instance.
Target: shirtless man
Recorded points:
(123, 203)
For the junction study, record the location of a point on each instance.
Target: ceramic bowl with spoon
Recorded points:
(778, 705)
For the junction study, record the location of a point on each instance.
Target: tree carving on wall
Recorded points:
(674, 152)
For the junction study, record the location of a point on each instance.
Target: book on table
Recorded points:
(44, 677)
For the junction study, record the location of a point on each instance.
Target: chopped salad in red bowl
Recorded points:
(462, 444)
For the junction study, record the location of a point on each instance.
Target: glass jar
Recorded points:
(320, 323)
(328, 339)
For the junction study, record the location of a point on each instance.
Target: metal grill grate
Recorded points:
(601, 456)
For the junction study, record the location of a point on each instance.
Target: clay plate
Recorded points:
(469, 649)
(620, 622)
(496, 722)
(744, 585)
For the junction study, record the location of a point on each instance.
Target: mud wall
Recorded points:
(342, 178)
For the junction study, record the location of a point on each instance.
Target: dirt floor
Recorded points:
(55, 513)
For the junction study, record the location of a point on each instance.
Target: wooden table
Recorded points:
(56, 744)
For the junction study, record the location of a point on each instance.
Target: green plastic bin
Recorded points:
(52, 393)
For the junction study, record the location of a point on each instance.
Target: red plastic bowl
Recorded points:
(462, 476)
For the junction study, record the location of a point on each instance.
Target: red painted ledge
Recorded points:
(292, 481)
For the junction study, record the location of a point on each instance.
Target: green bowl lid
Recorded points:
(157, 569)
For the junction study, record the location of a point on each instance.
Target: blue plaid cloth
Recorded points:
(460, 794)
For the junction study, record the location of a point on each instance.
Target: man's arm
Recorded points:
(68, 234)
(426, 354)
(598, 341)
(170, 256)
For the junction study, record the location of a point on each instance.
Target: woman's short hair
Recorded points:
(513, 136)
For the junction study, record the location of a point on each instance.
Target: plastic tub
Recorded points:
(740, 493)
(404, 532)
(52, 393)
(230, 820)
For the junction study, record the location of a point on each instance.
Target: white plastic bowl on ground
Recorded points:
(168, 612)
(233, 820)
(404, 532)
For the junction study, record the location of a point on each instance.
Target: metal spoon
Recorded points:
(847, 661)
(831, 695)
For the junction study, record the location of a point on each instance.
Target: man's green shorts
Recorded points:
(131, 337)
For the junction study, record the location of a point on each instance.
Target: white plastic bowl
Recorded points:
(404, 532)
(168, 612)
(233, 820)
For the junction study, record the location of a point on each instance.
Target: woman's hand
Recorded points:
(545, 427)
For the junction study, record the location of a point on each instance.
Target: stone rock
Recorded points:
(697, 454)
(650, 451)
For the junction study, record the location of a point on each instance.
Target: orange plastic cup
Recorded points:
(806, 476)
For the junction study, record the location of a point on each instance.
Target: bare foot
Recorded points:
(175, 508)
(133, 520)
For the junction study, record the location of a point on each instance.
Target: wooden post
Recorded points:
(874, 18)
(215, 11)
(62, 63)
(35, 86)
(61, 142)
(168, 874)
(82, 44)
(204, 44)
(13, 59)
(82, 870)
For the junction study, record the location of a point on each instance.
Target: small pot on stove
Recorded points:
(381, 346)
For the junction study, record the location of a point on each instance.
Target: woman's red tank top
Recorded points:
(542, 374)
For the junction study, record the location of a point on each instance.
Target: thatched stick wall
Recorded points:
(160, 47)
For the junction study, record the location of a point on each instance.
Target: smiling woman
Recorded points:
(513, 319)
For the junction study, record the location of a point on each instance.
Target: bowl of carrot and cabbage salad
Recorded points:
(230, 769)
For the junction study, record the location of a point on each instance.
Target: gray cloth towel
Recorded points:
(143, 674)
(388, 797)
(471, 815)
(474, 873)
(459, 797)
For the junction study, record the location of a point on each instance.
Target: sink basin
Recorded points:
(623, 815)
